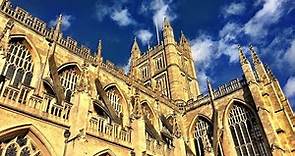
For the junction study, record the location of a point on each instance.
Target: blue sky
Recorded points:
(214, 28)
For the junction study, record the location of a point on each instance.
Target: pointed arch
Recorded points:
(69, 65)
(27, 131)
(117, 98)
(243, 125)
(195, 119)
(26, 64)
(70, 74)
(147, 107)
(106, 152)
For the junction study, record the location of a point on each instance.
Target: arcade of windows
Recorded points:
(245, 129)
(18, 66)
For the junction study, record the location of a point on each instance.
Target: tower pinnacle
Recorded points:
(243, 59)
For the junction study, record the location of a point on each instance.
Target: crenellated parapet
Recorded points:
(221, 91)
(22, 16)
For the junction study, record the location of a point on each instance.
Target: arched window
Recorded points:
(69, 76)
(18, 66)
(147, 112)
(20, 145)
(203, 136)
(246, 132)
(115, 98)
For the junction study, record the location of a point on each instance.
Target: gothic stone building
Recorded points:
(57, 98)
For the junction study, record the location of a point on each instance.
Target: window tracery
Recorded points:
(18, 66)
(21, 145)
(246, 132)
(69, 79)
(203, 136)
(115, 99)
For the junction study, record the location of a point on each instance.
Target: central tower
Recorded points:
(167, 67)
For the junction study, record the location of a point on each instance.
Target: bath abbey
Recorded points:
(59, 98)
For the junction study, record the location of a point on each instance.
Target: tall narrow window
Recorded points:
(162, 84)
(115, 99)
(69, 78)
(203, 136)
(18, 66)
(246, 132)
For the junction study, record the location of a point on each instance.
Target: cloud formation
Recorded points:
(159, 10)
(290, 87)
(122, 17)
(115, 12)
(208, 48)
(66, 22)
(144, 36)
(270, 13)
(234, 9)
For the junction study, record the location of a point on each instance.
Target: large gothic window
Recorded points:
(69, 78)
(115, 98)
(246, 132)
(18, 66)
(20, 145)
(203, 136)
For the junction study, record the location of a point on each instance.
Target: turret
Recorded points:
(98, 53)
(258, 66)
(168, 32)
(246, 67)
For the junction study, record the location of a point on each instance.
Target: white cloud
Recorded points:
(202, 50)
(202, 78)
(66, 22)
(290, 87)
(160, 9)
(122, 17)
(290, 55)
(234, 9)
(270, 13)
(144, 36)
(102, 11)
(126, 67)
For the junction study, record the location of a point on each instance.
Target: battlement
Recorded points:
(222, 90)
(40, 27)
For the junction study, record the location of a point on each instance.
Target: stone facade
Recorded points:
(58, 98)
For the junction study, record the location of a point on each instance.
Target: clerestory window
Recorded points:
(69, 79)
(18, 66)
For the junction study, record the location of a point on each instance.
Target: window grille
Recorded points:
(69, 79)
(162, 84)
(115, 99)
(246, 132)
(159, 62)
(18, 66)
(203, 136)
